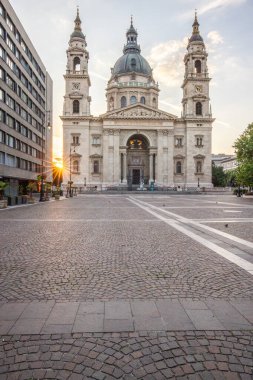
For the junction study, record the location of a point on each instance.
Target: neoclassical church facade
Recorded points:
(135, 143)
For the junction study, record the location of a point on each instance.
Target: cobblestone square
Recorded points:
(139, 286)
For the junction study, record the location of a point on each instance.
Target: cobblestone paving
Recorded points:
(150, 356)
(106, 248)
(241, 230)
(100, 260)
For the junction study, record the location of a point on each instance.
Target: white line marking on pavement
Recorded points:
(80, 220)
(188, 221)
(218, 202)
(231, 211)
(212, 246)
(237, 220)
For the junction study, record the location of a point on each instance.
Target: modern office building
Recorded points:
(25, 106)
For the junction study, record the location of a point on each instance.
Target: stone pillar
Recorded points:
(124, 168)
(151, 167)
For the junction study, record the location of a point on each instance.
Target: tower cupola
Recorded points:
(131, 46)
(195, 31)
(78, 29)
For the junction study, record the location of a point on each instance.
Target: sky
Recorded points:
(164, 27)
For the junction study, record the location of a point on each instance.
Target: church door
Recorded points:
(136, 176)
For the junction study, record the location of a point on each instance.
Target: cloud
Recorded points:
(166, 59)
(215, 38)
(97, 75)
(222, 123)
(176, 108)
(212, 5)
(219, 4)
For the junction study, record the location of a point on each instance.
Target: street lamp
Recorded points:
(70, 169)
(42, 197)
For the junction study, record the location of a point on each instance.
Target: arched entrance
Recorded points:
(137, 160)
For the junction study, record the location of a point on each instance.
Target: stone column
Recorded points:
(151, 167)
(124, 168)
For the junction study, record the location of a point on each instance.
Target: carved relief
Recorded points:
(140, 113)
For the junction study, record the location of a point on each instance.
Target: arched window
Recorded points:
(76, 106)
(154, 102)
(198, 66)
(143, 100)
(123, 101)
(198, 108)
(178, 167)
(96, 167)
(133, 99)
(199, 167)
(75, 166)
(76, 63)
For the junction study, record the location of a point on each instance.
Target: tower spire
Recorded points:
(78, 21)
(195, 25)
(195, 37)
(131, 35)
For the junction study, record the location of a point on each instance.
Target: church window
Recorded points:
(178, 167)
(199, 167)
(123, 101)
(143, 100)
(76, 106)
(154, 102)
(76, 64)
(96, 167)
(198, 66)
(198, 108)
(75, 166)
(75, 140)
(178, 142)
(199, 141)
(133, 99)
(95, 140)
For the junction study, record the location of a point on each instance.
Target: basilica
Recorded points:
(135, 143)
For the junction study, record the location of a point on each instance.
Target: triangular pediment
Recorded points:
(138, 111)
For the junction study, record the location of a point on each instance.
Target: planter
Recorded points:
(31, 200)
(47, 198)
(57, 197)
(3, 203)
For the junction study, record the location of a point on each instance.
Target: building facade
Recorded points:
(25, 106)
(135, 143)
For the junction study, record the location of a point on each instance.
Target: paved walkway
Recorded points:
(127, 287)
(52, 317)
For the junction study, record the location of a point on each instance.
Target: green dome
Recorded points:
(132, 62)
(77, 34)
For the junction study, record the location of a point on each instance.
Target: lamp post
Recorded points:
(42, 197)
(70, 169)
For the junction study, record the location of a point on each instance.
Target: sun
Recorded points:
(59, 165)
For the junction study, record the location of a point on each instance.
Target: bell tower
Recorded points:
(196, 79)
(77, 99)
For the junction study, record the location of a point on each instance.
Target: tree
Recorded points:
(244, 153)
(218, 176)
(3, 186)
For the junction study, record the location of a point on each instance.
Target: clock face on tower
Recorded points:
(198, 89)
(75, 86)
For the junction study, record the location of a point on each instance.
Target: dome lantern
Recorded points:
(78, 29)
(132, 60)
